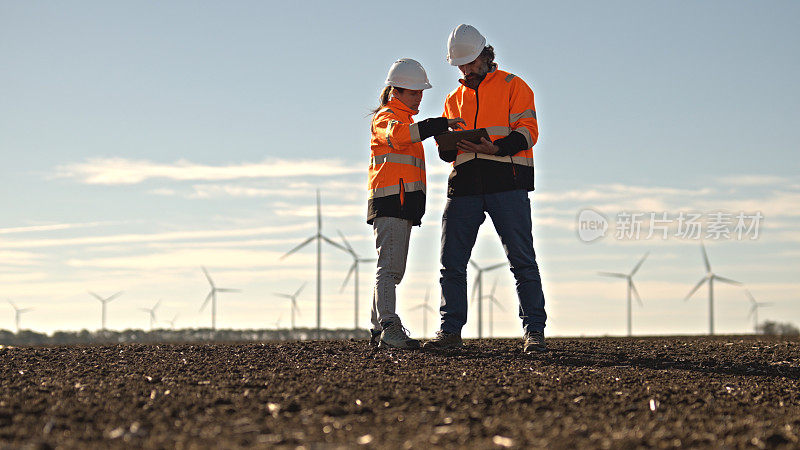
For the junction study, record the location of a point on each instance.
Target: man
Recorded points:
(492, 177)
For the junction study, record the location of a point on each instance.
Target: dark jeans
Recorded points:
(510, 212)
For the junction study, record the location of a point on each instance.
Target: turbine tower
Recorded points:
(631, 286)
(710, 277)
(293, 298)
(479, 287)
(493, 301)
(212, 296)
(152, 313)
(353, 270)
(17, 313)
(754, 309)
(319, 237)
(104, 301)
(425, 308)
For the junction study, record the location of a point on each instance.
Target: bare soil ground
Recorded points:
(735, 392)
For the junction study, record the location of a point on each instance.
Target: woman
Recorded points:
(397, 189)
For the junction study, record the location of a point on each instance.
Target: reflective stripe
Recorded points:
(399, 159)
(414, 130)
(394, 190)
(498, 131)
(528, 113)
(389, 131)
(525, 132)
(520, 160)
(510, 77)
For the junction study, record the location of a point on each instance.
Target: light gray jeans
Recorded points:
(391, 241)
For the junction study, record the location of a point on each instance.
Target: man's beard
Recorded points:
(474, 79)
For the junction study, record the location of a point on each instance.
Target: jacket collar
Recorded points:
(396, 105)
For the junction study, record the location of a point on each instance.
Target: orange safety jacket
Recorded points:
(504, 105)
(397, 162)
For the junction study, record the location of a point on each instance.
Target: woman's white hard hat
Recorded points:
(464, 45)
(407, 73)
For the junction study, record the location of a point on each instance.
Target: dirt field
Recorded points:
(731, 392)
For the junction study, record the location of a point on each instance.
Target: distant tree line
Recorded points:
(28, 337)
(778, 329)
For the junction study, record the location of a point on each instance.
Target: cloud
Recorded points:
(152, 237)
(753, 180)
(52, 227)
(118, 171)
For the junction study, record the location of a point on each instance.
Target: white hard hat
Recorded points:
(464, 45)
(407, 73)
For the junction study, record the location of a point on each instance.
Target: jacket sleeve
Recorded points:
(447, 155)
(522, 119)
(390, 131)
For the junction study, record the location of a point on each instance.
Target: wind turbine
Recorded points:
(493, 301)
(293, 297)
(425, 309)
(172, 322)
(152, 313)
(479, 287)
(104, 301)
(319, 237)
(631, 286)
(212, 296)
(710, 277)
(754, 309)
(353, 270)
(18, 312)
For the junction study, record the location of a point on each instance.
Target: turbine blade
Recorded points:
(727, 280)
(228, 290)
(696, 288)
(113, 296)
(208, 277)
(157, 305)
(705, 257)
(640, 263)
(497, 302)
(752, 311)
(496, 266)
(427, 295)
(612, 274)
(283, 295)
(494, 286)
(636, 293)
(12, 304)
(298, 247)
(208, 298)
(760, 304)
(339, 246)
(295, 307)
(300, 290)
(474, 264)
(365, 260)
(347, 278)
(97, 296)
(475, 287)
(24, 310)
(347, 244)
(750, 296)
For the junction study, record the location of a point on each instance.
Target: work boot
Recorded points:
(534, 342)
(444, 339)
(374, 338)
(395, 336)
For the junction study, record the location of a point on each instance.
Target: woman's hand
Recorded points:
(486, 147)
(456, 124)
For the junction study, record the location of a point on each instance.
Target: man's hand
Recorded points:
(486, 147)
(456, 124)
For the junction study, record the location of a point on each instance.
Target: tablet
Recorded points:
(447, 141)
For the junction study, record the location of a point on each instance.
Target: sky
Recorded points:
(142, 141)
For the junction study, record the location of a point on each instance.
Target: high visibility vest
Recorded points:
(502, 103)
(397, 164)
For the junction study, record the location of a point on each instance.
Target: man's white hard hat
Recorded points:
(464, 45)
(407, 73)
